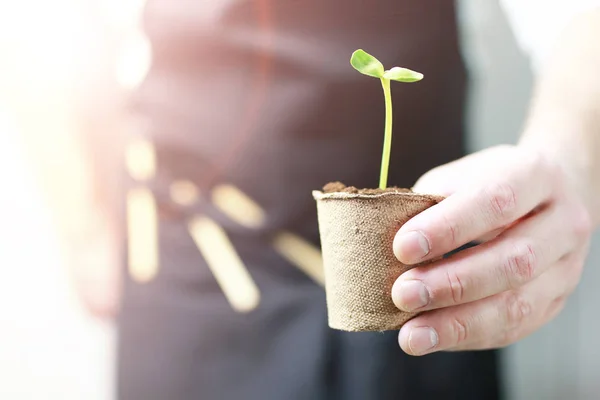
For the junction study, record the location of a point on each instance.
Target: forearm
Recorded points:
(564, 121)
(68, 184)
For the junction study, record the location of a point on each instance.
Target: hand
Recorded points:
(94, 261)
(534, 232)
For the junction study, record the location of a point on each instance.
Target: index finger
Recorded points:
(470, 214)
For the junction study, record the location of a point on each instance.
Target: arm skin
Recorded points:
(533, 206)
(565, 118)
(69, 125)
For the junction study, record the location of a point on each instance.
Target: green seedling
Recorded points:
(368, 65)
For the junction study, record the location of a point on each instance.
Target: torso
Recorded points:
(259, 94)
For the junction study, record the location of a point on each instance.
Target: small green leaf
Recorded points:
(366, 64)
(402, 75)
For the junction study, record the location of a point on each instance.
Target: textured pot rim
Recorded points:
(319, 195)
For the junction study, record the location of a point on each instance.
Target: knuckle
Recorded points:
(577, 269)
(460, 330)
(502, 201)
(571, 268)
(574, 277)
(520, 266)
(456, 287)
(582, 222)
(555, 176)
(557, 304)
(540, 163)
(517, 310)
(555, 308)
(453, 230)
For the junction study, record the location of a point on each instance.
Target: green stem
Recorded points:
(387, 141)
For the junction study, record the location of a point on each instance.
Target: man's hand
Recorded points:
(534, 231)
(94, 259)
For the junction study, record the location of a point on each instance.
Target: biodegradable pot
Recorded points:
(357, 229)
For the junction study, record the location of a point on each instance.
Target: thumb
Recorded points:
(440, 181)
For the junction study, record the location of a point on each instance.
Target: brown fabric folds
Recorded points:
(357, 231)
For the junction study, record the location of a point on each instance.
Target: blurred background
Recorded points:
(61, 59)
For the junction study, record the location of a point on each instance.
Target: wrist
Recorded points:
(564, 145)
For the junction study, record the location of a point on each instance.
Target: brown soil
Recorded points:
(337, 187)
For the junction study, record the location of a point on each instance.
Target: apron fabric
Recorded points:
(259, 94)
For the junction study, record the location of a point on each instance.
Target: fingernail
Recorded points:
(422, 339)
(410, 295)
(411, 246)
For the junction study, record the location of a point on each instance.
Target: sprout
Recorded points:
(368, 65)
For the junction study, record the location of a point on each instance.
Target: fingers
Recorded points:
(473, 213)
(516, 257)
(506, 338)
(465, 325)
(492, 322)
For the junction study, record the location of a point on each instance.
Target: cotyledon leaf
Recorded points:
(402, 75)
(366, 64)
